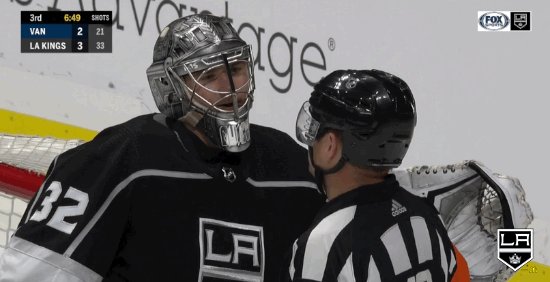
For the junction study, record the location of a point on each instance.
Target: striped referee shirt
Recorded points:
(377, 232)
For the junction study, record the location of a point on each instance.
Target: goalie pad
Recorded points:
(473, 203)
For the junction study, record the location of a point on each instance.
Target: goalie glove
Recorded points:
(473, 203)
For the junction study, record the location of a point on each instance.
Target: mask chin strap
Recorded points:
(320, 173)
(232, 85)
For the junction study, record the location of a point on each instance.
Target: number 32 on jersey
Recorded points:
(61, 212)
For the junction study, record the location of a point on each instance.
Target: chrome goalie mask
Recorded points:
(202, 74)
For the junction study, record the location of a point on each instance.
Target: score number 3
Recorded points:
(58, 219)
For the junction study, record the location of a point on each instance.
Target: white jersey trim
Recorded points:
(121, 186)
(347, 274)
(292, 269)
(395, 246)
(26, 261)
(305, 184)
(320, 242)
(422, 239)
(373, 273)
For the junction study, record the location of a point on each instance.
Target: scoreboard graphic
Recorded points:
(66, 32)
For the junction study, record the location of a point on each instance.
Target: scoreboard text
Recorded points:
(66, 32)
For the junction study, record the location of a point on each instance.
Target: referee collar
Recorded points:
(366, 194)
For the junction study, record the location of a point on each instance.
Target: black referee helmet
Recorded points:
(374, 110)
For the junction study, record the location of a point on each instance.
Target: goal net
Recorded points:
(24, 161)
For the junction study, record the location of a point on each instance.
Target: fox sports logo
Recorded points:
(494, 21)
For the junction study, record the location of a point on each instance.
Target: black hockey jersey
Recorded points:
(377, 232)
(147, 201)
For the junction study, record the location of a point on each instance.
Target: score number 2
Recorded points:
(58, 219)
(79, 32)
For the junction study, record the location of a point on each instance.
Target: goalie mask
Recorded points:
(374, 110)
(202, 74)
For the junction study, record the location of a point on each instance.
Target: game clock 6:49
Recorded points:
(72, 17)
(66, 31)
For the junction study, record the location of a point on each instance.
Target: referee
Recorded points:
(358, 125)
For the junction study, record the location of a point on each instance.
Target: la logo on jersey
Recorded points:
(230, 251)
(515, 247)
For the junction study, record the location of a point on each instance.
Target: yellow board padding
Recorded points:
(532, 272)
(17, 123)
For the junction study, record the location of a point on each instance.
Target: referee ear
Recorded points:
(330, 149)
